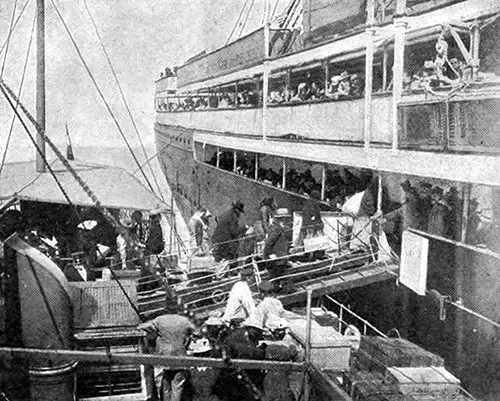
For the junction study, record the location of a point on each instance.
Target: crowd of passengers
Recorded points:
(427, 74)
(340, 184)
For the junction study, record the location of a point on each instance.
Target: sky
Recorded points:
(142, 37)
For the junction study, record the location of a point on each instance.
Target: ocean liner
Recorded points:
(328, 96)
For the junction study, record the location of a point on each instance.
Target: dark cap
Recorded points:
(246, 272)
(238, 205)
(316, 194)
(406, 184)
(437, 191)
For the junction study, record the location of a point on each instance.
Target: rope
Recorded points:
(15, 25)
(157, 153)
(122, 96)
(237, 20)
(8, 38)
(101, 95)
(246, 19)
(4, 156)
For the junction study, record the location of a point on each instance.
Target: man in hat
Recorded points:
(77, 271)
(228, 232)
(278, 243)
(277, 383)
(424, 205)
(438, 214)
(171, 332)
(240, 304)
(198, 226)
(311, 216)
(267, 208)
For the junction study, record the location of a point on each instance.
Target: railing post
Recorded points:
(400, 24)
(385, 60)
(475, 33)
(265, 73)
(283, 175)
(256, 167)
(217, 163)
(370, 32)
(326, 70)
(236, 105)
(323, 182)
(307, 387)
(235, 162)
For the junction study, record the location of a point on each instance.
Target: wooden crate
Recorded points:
(329, 348)
(104, 304)
(429, 380)
(378, 353)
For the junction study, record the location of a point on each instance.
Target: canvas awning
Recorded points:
(114, 187)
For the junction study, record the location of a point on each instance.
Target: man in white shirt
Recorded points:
(270, 306)
(240, 304)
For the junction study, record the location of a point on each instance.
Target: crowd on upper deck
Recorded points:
(429, 66)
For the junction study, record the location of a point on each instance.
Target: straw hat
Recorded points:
(276, 323)
(199, 346)
(214, 321)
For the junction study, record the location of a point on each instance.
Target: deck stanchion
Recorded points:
(370, 32)
(400, 24)
(307, 387)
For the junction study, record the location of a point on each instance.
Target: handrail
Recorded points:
(366, 323)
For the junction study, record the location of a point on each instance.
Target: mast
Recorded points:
(40, 85)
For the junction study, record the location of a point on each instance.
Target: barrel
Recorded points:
(53, 383)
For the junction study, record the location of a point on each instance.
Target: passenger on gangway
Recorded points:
(240, 304)
(198, 227)
(311, 216)
(234, 383)
(227, 233)
(278, 244)
(267, 209)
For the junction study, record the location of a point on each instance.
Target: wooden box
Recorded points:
(376, 353)
(104, 304)
(329, 349)
(422, 380)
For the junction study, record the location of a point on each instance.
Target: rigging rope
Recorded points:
(122, 96)
(101, 95)
(246, 19)
(4, 156)
(8, 38)
(237, 20)
(148, 161)
(15, 25)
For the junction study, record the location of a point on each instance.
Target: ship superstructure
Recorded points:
(332, 94)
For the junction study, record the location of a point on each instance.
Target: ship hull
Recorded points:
(196, 184)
